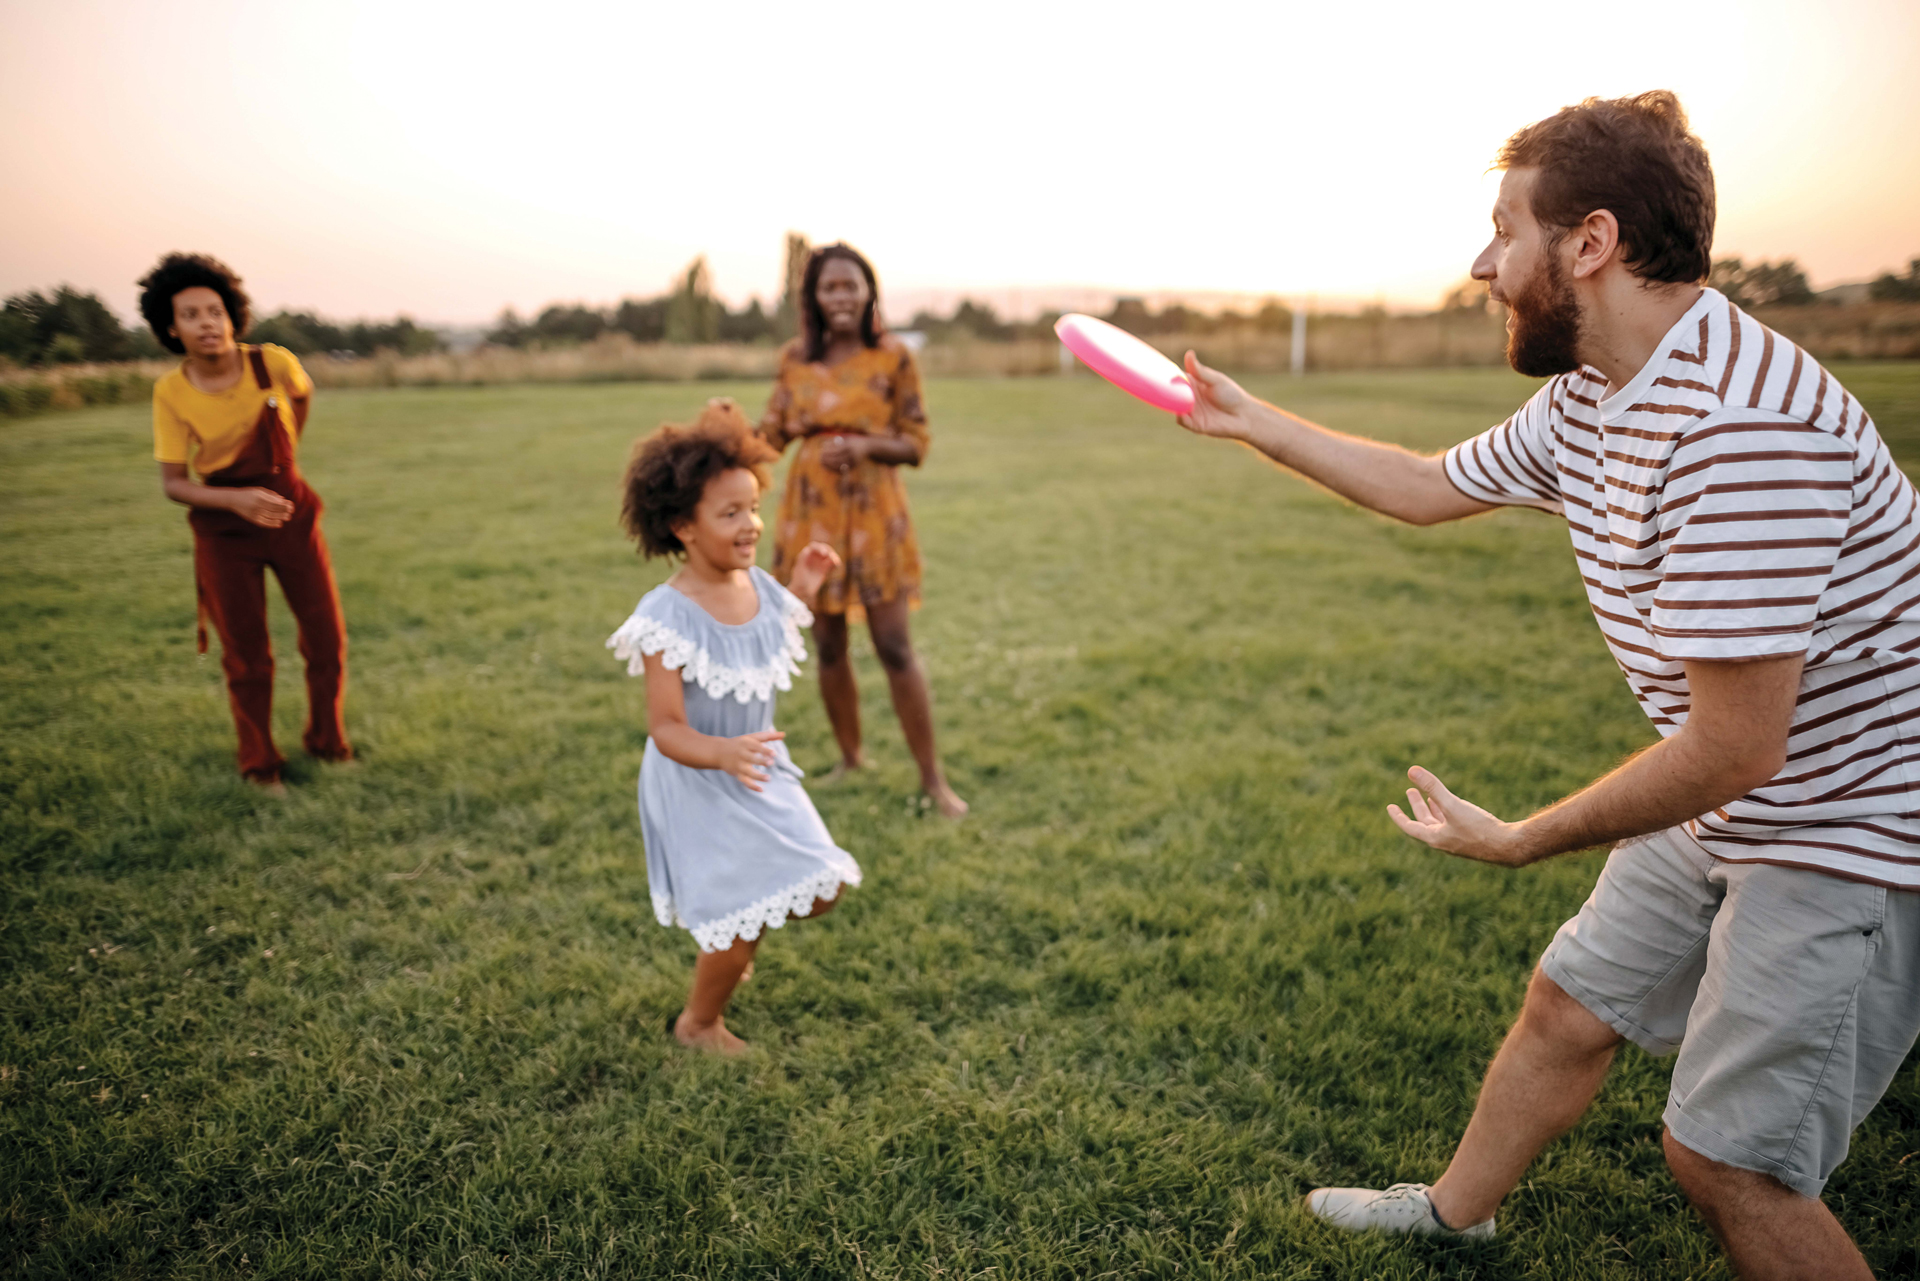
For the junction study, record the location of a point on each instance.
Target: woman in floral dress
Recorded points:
(850, 394)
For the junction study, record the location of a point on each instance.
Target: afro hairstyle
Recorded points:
(179, 271)
(669, 470)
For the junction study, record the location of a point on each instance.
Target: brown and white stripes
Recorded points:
(1734, 501)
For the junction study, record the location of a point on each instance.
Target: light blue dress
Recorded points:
(723, 861)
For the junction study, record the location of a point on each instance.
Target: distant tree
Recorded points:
(300, 332)
(786, 318)
(1177, 318)
(1273, 317)
(564, 324)
(1467, 296)
(509, 330)
(750, 324)
(1761, 285)
(643, 320)
(303, 333)
(1132, 315)
(400, 335)
(693, 316)
(67, 328)
(18, 343)
(1888, 287)
(978, 320)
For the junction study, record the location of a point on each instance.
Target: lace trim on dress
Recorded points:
(641, 635)
(770, 912)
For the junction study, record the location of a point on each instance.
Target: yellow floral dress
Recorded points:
(862, 512)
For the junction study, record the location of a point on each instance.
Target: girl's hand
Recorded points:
(810, 569)
(1219, 405)
(261, 506)
(747, 756)
(841, 453)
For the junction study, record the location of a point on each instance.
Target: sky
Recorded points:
(448, 160)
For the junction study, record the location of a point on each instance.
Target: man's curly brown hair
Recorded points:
(669, 471)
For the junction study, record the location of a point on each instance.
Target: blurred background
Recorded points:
(500, 195)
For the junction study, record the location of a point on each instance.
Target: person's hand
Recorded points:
(841, 453)
(263, 507)
(1219, 405)
(748, 756)
(1445, 822)
(810, 569)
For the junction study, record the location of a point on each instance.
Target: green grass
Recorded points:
(1177, 969)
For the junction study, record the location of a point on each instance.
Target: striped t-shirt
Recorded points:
(1733, 501)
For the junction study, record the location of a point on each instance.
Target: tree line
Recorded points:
(67, 326)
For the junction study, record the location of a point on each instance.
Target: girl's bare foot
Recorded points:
(844, 768)
(713, 1037)
(271, 786)
(945, 799)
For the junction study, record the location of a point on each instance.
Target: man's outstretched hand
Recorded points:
(1220, 407)
(1444, 821)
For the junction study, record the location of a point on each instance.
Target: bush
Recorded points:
(17, 400)
(1778, 284)
(69, 327)
(1891, 288)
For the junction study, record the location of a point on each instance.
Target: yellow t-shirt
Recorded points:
(209, 429)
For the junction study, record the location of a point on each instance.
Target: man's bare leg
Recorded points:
(1771, 1232)
(1546, 1073)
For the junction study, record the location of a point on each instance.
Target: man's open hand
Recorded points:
(1446, 822)
(1220, 407)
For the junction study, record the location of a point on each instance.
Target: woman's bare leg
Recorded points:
(702, 1025)
(838, 689)
(912, 701)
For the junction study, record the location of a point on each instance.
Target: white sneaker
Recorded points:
(1404, 1208)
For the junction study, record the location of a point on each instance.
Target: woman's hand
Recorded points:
(747, 756)
(842, 453)
(261, 506)
(1220, 407)
(810, 569)
(1445, 822)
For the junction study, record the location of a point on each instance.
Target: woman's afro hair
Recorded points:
(185, 271)
(669, 471)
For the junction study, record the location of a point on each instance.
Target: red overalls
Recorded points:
(229, 555)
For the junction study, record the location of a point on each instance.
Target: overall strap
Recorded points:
(258, 359)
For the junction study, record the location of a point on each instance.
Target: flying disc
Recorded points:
(1126, 362)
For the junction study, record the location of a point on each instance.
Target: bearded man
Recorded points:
(1752, 555)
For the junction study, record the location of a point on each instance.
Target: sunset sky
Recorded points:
(362, 159)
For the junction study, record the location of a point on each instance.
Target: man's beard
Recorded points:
(1546, 325)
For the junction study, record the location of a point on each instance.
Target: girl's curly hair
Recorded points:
(669, 470)
(185, 271)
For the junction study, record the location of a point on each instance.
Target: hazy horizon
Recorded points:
(449, 161)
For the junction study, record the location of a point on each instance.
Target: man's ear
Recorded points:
(1596, 242)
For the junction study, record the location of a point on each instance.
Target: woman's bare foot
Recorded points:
(713, 1037)
(841, 770)
(271, 786)
(945, 799)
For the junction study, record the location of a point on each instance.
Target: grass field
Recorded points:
(1176, 970)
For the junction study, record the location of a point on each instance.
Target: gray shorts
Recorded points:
(1792, 996)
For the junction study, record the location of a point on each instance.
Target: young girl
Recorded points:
(734, 845)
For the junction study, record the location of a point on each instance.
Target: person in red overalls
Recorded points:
(236, 411)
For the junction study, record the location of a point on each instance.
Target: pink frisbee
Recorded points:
(1126, 362)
